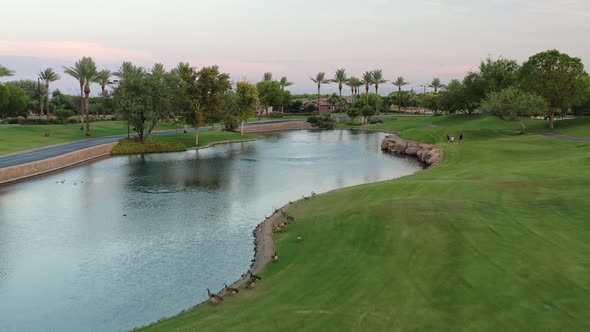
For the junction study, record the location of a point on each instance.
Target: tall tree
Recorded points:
(211, 88)
(103, 78)
(270, 94)
(77, 72)
(89, 74)
(5, 71)
(246, 102)
(499, 74)
(267, 77)
(186, 97)
(436, 84)
(378, 79)
(555, 76)
(340, 78)
(399, 83)
(320, 79)
(511, 104)
(367, 80)
(353, 83)
(48, 76)
(144, 98)
(284, 82)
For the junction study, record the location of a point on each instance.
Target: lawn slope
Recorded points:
(497, 238)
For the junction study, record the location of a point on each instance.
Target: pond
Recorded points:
(124, 241)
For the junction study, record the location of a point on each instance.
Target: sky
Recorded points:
(418, 39)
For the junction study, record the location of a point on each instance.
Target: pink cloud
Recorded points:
(73, 50)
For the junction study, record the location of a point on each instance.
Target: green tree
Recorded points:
(430, 101)
(144, 98)
(270, 94)
(555, 76)
(211, 88)
(353, 83)
(89, 74)
(378, 79)
(320, 79)
(399, 83)
(13, 100)
(436, 85)
(267, 77)
(496, 75)
(77, 72)
(340, 78)
(5, 71)
(48, 76)
(511, 104)
(367, 80)
(284, 82)
(185, 100)
(246, 102)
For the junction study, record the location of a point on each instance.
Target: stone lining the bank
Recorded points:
(427, 153)
(19, 172)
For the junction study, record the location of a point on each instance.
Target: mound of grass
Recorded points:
(134, 146)
(496, 238)
(205, 137)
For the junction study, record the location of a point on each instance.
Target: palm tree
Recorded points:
(48, 75)
(5, 71)
(353, 83)
(89, 74)
(284, 82)
(377, 79)
(103, 79)
(340, 78)
(399, 82)
(267, 77)
(127, 69)
(367, 80)
(77, 72)
(435, 84)
(320, 79)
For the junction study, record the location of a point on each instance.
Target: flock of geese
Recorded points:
(287, 219)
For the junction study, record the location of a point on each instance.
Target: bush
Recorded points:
(230, 123)
(325, 122)
(63, 115)
(134, 146)
(375, 121)
(313, 119)
(73, 120)
(275, 115)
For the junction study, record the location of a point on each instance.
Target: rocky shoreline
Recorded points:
(427, 153)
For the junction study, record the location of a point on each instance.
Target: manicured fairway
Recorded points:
(497, 238)
(14, 138)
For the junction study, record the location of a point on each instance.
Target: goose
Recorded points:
(290, 202)
(231, 290)
(125, 215)
(290, 218)
(284, 213)
(265, 217)
(214, 298)
(313, 194)
(305, 198)
(251, 283)
(275, 257)
(254, 277)
(299, 238)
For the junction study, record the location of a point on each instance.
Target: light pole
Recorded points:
(423, 86)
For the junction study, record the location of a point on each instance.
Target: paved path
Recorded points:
(563, 137)
(57, 150)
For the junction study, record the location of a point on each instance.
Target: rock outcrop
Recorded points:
(428, 153)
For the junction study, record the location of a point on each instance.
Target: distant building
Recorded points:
(325, 106)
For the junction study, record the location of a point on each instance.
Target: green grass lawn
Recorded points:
(175, 142)
(497, 238)
(16, 138)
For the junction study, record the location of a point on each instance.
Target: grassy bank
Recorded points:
(496, 238)
(174, 142)
(14, 138)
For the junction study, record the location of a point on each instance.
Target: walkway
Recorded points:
(562, 137)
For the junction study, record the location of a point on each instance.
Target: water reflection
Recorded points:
(125, 241)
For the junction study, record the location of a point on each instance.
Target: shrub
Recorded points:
(230, 123)
(313, 119)
(375, 121)
(134, 146)
(73, 120)
(325, 122)
(275, 115)
(63, 115)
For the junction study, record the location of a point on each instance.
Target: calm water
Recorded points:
(70, 260)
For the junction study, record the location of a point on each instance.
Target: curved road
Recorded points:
(57, 150)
